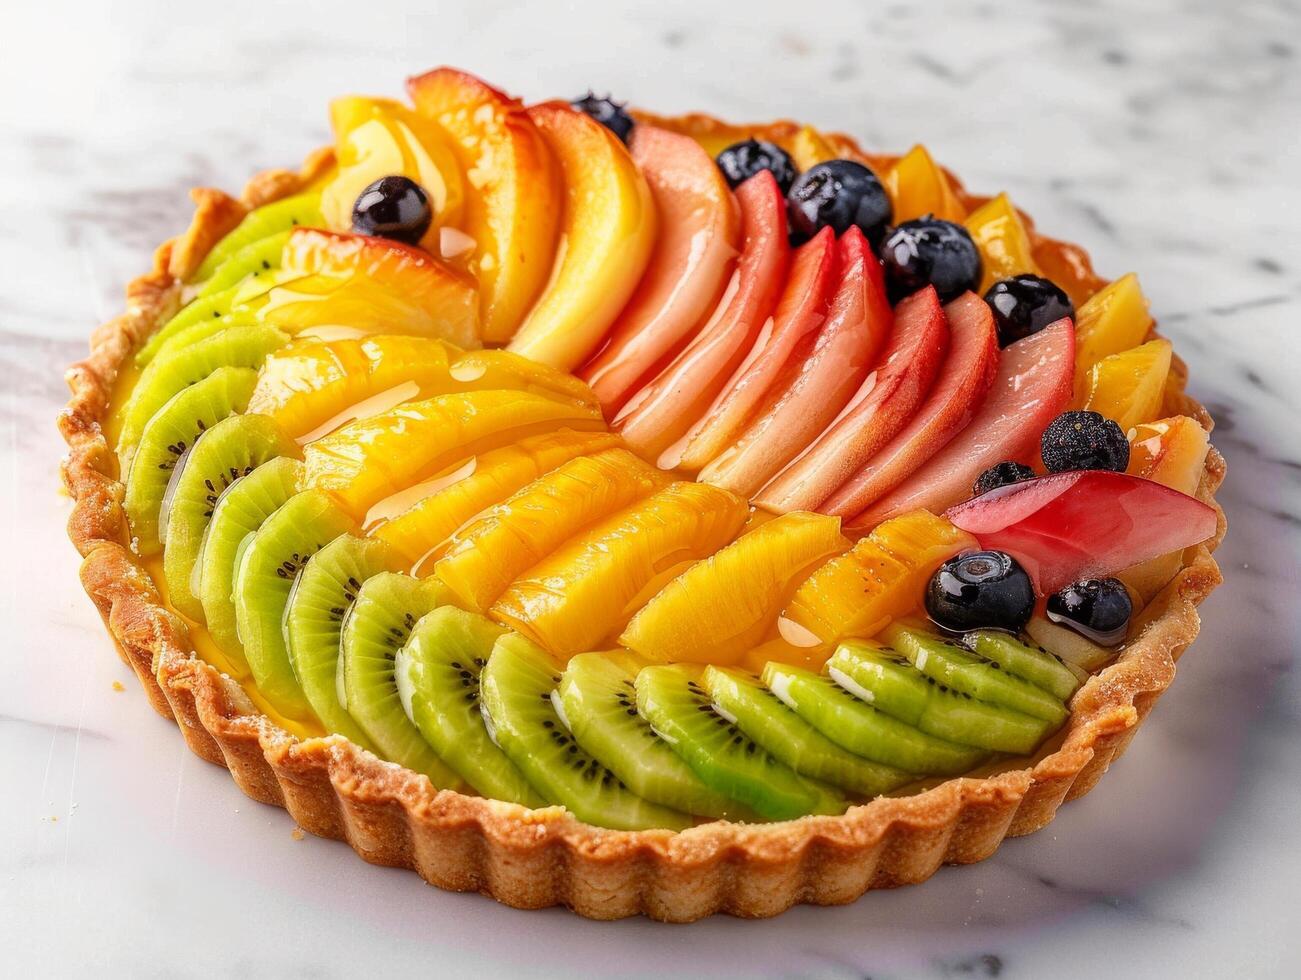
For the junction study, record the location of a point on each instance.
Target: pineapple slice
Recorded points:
(482, 560)
(1128, 386)
(1113, 320)
(584, 594)
(719, 608)
(917, 186)
(1004, 243)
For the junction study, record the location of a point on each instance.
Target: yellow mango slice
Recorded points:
(1002, 239)
(917, 186)
(504, 369)
(1128, 386)
(809, 147)
(1114, 319)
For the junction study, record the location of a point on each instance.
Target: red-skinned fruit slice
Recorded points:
(963, 381)
(1032, 387)
(659, 414)
(1084, 524)
(700, 231)
(881, 407)
(801, 310)
(819, 380)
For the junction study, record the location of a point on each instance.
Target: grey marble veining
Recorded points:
(1162, 135)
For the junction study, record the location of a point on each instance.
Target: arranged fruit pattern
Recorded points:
(666, 476)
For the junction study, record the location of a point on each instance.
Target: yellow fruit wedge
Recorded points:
(1128, 386)
(1114, 319)
(606, 233)
(917, 186)
(1004, 243)
(583, 595)
(809, 147)
(719, 608)
(482, 560)
(504, 369)
(373, 458)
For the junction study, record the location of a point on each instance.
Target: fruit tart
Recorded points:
(649, 515)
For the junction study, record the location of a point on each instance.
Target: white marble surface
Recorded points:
(1166, 140)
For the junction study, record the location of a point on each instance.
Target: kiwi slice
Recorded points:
(255, 260)
(598, 702)
(195, 318)
(318, 602)
(740, 697)
(238, 513)
(229, 451)
(517, 683)
(261, 223)
(438, 673)
(966, 673)
(264, 577)
(855, 725)
(1044, 670)
(239, 346)
(387, 607)
(891, 684)
(168, 436)
(671, 698)
(204, 329)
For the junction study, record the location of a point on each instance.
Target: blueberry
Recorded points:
(607, 112)
(1098, 609)
(980, 590)
(1084, 441)
(1001, 475)
(1026, 304)
(741, 161)
(930, 252)
(837, 194)
(393, 207)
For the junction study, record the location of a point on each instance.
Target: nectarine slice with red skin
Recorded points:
(819, 380)
(1084, 524)
(700, 230)
(1031, 387)
(662, 412)
(884, 403)
(801, 310)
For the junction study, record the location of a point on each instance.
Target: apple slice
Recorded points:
(699, 234)
(801, 310)
(820, 378)
(661, 413)
(607, 229)
(1084, 524)
(1032, 385)
(884, 403)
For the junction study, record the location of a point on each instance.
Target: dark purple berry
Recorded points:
(393, 207)
(1084, 441)
(1024, 305)
(980, 590)
(838, 194)
(1001, 475)
(1098, 609)
(607, 112)
(930, 252)
(741, 161)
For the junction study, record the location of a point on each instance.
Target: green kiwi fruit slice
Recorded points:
(387, 607)
(857, 726)
(168, 436)
(597, 698)
(239, 346)
(204, 329)
(261, 223)
(195, 318)
(229, 451)
(516, 687)
(887, 681)
(740, 697)
(966, 673)
(255, 260)
(1044, 670)
(238, 513)
(438, 672)
(672, 699)
(320, 599)
(264, 577)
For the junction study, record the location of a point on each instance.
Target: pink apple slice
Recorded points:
(700, 230)
(883, 404)
(1084, 524)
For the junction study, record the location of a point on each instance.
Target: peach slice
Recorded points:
(1114, 319)
(607, 231)
(661, 413)
(699, 234)
(884, 403)
(373, 458)
(808, 148)
(1033, 385)
(721, 607)
(801, 310)
(1004, 243)
(819, 380)
(917, 186)
(514, 182)
(582, 595)
(1129, 386)
(482, 559)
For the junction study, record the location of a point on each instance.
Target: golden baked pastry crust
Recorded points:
(537, 858)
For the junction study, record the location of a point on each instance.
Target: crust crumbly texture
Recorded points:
(538, 858)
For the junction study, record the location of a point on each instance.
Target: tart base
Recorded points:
(538, 858)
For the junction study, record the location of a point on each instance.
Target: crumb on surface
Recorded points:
(118, 686)
(297, 833)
